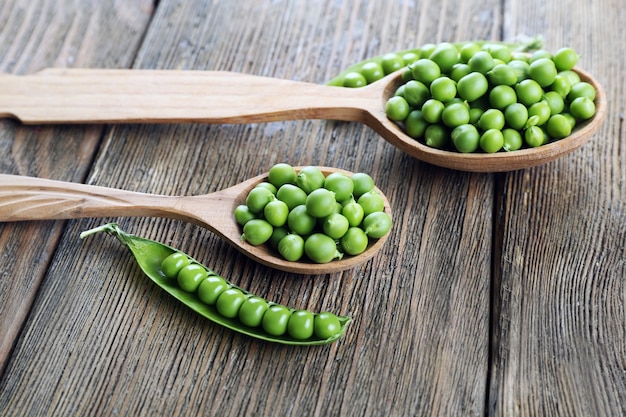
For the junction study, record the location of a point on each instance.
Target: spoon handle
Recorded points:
(63, 95)
(28, 198)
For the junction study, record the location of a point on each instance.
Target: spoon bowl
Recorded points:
(61, 95)
(26, 198)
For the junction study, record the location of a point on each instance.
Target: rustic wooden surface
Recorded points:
(496, 294)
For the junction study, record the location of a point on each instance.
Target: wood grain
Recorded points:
(496, 294)
(35, 35)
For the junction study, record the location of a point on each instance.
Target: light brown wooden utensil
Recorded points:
(170, 96)
(28, 198)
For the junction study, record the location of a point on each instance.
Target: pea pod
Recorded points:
(227, 310)
(343, 79)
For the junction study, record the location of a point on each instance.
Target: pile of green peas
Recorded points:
(307, 214)
(232, 302)
(487, 97)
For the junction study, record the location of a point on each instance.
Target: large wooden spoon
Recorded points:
(169, 96)
(27, 198)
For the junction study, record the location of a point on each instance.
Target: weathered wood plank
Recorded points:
(418, 343)
(560, 338)
(34, 35)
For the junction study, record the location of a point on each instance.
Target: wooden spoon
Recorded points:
(169, 96)
(27, 198)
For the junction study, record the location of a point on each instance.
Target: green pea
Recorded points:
(275, 320)
(558, 126)
(582, 89)
(282, 173)
(407, 76)
(499, 51)
(571, 119)
(291, 247)
(491, 119)
(415, 93)
(565, 59)
(252, 310)
(229, 302)
(257, 198)
(320, 203)
(372, 71)
(534, 136)
(174, 263)
(391, 62)
(300, 221)
(310, 178)
(277, 235)
(543, 71)
(521, 68)
(243, 214)
(410, 57)
(340, 184)
(377, 224)
(353, 212)
(528, 92)
(455, 114)
(415, 124)
(501, 96)
(432, 110)
(371, 202)
(512, 140)
(190, 277)
(473, 86)
(443, 89)
(481, 62)
(292, 195)
(445, 56)
(321, 248)
(541, 110)
(267, 185)
(502, 74)
(326, 325)
(301, 325)
(555, 102)
(475, 114)
(437, 136)
(561, 85)
(210, 289)
(540, 54)
(397, 108)
(516, 115)
(257, 231)
(362, 183)
(468, 50)
(582, 108)
(571, 76)
(354, 80)
(458, 71)
(336, 225)
(426, 50)
(425, 70)
(465, 138)
(355, 241)
(275, 212)
(491, 141)
(519, 56)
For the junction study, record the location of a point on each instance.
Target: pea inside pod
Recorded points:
(222, 302)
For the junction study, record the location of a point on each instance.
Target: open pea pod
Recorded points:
(319, 329)
(385, 64)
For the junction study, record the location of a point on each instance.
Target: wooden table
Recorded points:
(496, 294)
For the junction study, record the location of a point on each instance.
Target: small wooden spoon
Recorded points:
(27, 198)
(170, 96)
